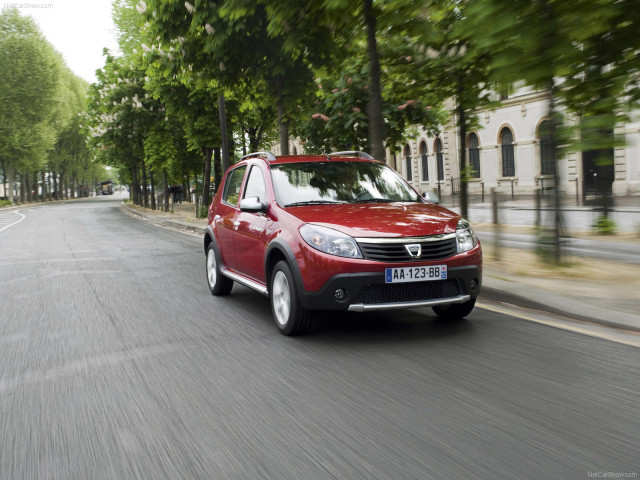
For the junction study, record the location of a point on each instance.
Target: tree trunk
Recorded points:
(11, 182)
(245, 134)
(135, 187)
(553, 139)
(54, 190)
(27, 186)
(462, 121)
(145, 185)
(165, 195)
(223, 132)
(217, 168)
(4, 177)
(153, 190)
(45, 193)
(22, 188)
(283, 128)
(374, 108)
(34, 186)
(206, 180)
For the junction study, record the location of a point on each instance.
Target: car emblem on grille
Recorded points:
(414, 250)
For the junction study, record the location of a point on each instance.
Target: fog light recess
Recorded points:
(473, 285)
(340, 294)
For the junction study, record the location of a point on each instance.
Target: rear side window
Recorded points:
(232, 186)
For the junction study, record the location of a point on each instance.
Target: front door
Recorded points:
(225, 220)
(598, 173)
(250, 235)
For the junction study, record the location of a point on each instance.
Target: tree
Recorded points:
(120, 117)
(336, 119)
(583, 53)
(457, 67)
(29, 94)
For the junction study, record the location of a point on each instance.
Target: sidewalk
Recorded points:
(600, 291)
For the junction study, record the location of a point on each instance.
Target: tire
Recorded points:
(218, 283)
(455, 311)
(290, 317)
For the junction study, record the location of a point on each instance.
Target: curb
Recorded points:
(504, 296)
(168, 223)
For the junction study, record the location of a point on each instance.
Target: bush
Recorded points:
(203, 211)
(5, 203)
(605, 226)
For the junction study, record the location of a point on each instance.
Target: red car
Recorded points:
(337, 232)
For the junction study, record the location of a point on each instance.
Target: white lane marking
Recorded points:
(22, 217)
(625, 337)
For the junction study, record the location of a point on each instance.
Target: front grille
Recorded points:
(410, 292)
(396, 252)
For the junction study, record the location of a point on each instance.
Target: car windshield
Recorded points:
(338, 182)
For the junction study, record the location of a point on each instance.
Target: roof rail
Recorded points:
(268, 155)
(354, 153)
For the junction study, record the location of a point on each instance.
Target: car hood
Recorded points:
(381, 219)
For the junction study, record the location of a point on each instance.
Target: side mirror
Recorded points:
(431, 197)
(252, 205)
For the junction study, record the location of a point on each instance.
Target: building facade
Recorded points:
(510, 152)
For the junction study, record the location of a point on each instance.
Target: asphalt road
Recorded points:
(117, 363)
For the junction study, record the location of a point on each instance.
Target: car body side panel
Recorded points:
(250, 244)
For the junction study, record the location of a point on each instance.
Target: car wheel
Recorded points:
(455, 310)
(218, 283)
(291, 318)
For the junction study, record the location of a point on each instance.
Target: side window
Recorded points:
(232, 186)
(255, 184)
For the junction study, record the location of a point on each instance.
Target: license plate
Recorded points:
(415, 274)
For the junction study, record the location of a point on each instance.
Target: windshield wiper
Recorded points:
(376, 200)
(313, 202)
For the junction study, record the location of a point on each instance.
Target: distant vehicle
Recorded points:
(337, 232)
(106, 188)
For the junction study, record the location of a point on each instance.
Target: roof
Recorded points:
(352, 156)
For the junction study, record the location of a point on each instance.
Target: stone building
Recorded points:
(508, 151)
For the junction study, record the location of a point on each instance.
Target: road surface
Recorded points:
(117, 363)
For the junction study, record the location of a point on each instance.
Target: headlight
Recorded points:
(465, 238)
(330, 241)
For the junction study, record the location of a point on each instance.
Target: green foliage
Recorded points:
(41, 103)
(605, 226)
(30, 92)
(337, 120)
(5, 203)
(203, 211)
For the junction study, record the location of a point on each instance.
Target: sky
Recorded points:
(78, 29)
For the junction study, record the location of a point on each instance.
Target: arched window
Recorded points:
(547, 154)
(439, 159)
(474, 155)
(425, 162)
(407, 160)
(508, 160)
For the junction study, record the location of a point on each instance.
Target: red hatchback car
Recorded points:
(337, 232)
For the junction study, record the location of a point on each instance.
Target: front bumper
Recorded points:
(368, 291)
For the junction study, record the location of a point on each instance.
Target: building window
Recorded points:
(425, 162)
(508, 160)
(474, 155)
(439, 159)
(547, 154)
(407, 160)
